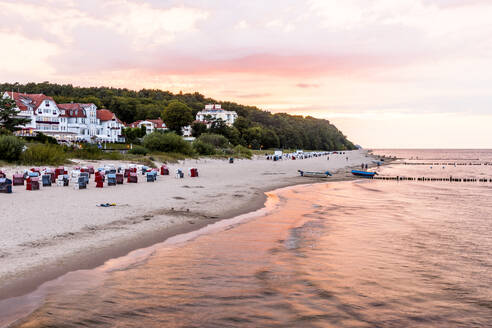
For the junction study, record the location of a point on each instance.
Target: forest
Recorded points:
(255, 128)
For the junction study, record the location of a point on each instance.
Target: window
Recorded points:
(47, 103)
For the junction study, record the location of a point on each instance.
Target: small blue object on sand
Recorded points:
(364, 174)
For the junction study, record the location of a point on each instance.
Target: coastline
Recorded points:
(162, 222)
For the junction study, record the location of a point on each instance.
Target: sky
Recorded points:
(388, 73)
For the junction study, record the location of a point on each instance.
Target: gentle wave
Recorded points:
(351, 254)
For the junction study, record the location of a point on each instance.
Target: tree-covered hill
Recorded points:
(254, 128)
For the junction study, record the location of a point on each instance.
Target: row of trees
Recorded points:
(254, 128)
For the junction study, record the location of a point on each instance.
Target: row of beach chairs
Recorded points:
(79, 177)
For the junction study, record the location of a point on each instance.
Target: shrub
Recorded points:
(39, 154)
(167, 142)
(112, 155)
(138, 150)
(216, 140)
(10, 148)
(203, 148)
(4, 131)
(88, 151)
(242, 151)
(43, 138)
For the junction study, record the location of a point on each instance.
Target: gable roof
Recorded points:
(72, 110)
(107, 115)
(134, 124)
(22, 100)
(158, 123)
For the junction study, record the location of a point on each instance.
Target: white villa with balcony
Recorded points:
(214, 112)
(69, 122)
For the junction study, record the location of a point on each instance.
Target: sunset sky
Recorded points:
(388, 73)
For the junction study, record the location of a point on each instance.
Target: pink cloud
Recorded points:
(277, 65)
(307, 85)
(254, 95)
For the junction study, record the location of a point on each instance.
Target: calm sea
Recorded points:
(365, 253)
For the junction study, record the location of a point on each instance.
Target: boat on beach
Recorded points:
(365, 174)
(314, 174)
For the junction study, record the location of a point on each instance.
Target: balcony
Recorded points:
(47, 120)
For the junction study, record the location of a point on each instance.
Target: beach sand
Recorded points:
(58, 229)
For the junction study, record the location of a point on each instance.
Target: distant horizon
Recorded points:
(382, 71)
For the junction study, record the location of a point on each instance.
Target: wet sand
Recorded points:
(57, 230)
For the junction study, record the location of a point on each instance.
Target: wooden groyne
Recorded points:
(450, 179)
(443, 163)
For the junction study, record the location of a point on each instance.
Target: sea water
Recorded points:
(363, 253)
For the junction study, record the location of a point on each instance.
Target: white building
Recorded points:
(80, 120)
(69, 122)
(158, 125)
(109, 127)
(150, 125)
(40, 109)
(214, 112)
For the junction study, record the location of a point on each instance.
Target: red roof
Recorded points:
(134, 124)
(158, 123)
(33, 99)
(72, 110)
(107, 115)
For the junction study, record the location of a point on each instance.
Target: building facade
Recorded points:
(150, 125)
(110, 128)
(215, 112)
(66, 122)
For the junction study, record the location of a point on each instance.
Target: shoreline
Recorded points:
(22, 283)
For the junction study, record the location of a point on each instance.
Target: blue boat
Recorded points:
(364, 174)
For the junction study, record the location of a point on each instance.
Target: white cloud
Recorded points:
(147, 25)
(381, 56)
(24, 57)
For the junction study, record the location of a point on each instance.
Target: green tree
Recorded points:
(124, 108)
(252, 136)
(143, 131)
(198, 128)
(218, 126)
(132, 135)
(269, 139)
(233, 135)
(9, 115)
(177, 115)
(242, 124)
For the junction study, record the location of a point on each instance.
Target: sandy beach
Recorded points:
(58, 229)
